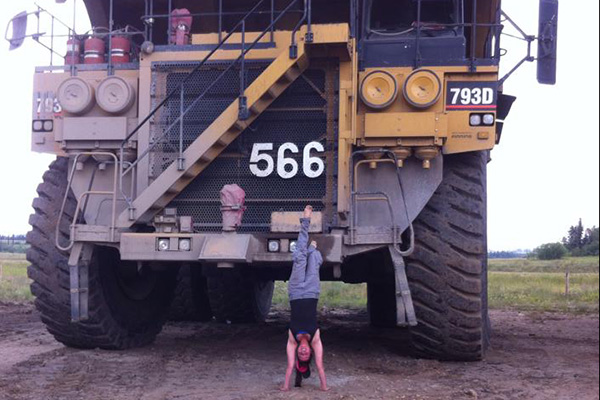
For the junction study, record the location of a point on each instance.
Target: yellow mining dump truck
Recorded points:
(379, 113)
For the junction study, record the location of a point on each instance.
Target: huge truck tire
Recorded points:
(448, 271)
(238, 297)
(191, 301)
(127, 306)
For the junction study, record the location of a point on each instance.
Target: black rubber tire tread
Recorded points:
(113, 323)
(448, 271)
(237, 297)
(191, 301)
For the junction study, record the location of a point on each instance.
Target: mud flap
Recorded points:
(405, 310)
(79, 270)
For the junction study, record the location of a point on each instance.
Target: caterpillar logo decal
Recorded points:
(471, 96)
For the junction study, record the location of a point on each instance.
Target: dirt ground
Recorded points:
(533, 356)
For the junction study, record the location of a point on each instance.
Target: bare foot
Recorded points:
(308, 211)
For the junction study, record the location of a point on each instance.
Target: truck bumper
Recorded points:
(222, 248)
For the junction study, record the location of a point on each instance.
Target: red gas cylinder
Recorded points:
(93, 51)
(181, 26)
(73, 52)
(121, 50)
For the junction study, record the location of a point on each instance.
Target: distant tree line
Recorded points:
(508, 254)
(579, 242)
(13, 244)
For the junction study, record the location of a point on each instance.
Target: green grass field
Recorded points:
(527, 291)
(528, 285)
(14, 284)
(588, 265)
(519, 284)
(333, 295)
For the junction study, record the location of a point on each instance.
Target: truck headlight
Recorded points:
(293, 246)
(475, 120)
(274, 246)
(489, 119)
(38, 126)
(164, 244)
(379, 90)
(42, 125)
(185, 244)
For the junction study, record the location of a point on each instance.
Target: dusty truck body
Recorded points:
(380, 114)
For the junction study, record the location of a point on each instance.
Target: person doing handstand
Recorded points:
(304, 288)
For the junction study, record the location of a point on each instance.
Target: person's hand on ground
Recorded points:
(308, 212)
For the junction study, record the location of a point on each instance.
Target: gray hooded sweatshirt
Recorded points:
(305, 282)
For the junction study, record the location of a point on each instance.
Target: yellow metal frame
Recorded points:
(404, 125)
(400, 125)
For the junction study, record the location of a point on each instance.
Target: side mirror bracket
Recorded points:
(547, 43)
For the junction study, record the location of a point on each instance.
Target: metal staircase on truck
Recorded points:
(253, 100)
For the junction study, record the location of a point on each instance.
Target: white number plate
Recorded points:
(263, 164)
(472, 96)
(45, 105)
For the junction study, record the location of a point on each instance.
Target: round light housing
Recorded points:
(489, 119)
(379, 90)
(48, 126)
(76, 96)
(274, 246)
(164, 244)
(38, 126)
(423, 88)
(293, 246)
(115, 95)
(148, 47)
(475, 120)
(185, 244)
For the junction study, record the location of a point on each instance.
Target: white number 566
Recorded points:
(287, 167)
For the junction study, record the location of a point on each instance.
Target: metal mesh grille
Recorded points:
(168, 76)
(304, 113)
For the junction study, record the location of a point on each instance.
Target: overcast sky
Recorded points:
(543, 178)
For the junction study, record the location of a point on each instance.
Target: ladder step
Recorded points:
(225, 140)
(162, 203)
(204, 158)
(260, 106)
(288, 76)
(291, 74)
(179, 185)
(256, 109)
(240, 125)
(189, 173)
(272, 92)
